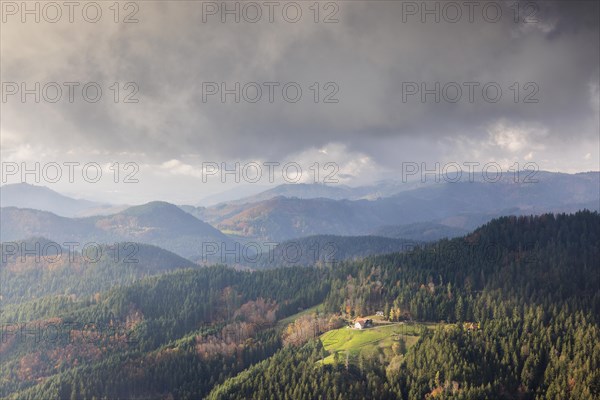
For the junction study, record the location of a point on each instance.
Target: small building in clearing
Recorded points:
(361, 323)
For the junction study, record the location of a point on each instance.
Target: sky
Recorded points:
(157, 100)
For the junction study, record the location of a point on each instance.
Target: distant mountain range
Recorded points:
(461, 205)
(158, 223)
(328, 191)
(24, 195)
(232, 194)
(417, 211)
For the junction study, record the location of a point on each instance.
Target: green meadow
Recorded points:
(370, 341)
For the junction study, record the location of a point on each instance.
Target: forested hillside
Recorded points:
(179, 333)
(328, 250)
(520, 302)
(511, 311)
(39, 267)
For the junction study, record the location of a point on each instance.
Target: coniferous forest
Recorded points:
(511, 310)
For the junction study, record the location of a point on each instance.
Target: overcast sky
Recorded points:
(371, 58)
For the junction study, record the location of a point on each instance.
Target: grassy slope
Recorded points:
(378, 339)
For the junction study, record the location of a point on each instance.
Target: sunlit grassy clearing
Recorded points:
(378, 339)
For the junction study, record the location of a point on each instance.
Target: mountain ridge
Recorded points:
(158, 223)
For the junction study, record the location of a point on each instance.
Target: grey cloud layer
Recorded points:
(368, 54)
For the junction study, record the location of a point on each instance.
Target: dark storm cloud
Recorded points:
(370, 55)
